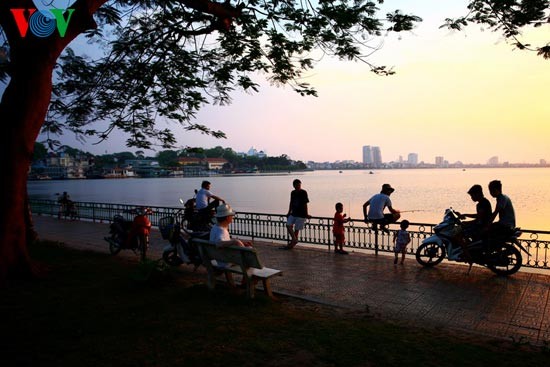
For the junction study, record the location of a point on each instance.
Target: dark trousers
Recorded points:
(388, 218)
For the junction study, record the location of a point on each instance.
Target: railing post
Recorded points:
(376, 240)
(329, 234)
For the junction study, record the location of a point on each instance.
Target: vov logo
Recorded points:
(48, 16)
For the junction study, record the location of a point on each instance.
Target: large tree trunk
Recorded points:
(23, 108)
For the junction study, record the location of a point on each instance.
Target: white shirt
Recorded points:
(218, 234)
(377, 204)
(202, 198)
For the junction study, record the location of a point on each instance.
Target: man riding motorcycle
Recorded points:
(477, 228)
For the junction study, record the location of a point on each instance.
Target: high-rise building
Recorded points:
(412, 159)
(372, 156)
(376, 156)
(493, 161)
(439, 161)
(367, 154)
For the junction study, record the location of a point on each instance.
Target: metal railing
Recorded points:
(317, 230)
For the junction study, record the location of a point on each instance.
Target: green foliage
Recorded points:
(508, 17)
(107, 160)
(152, 272)
(167, 158)
(169, 58)
(40, 151)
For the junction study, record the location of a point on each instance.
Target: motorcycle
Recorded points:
(193, 219)
(499, 252)
(130, 235)
(180, 249)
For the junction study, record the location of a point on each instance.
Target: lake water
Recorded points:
(426, 193)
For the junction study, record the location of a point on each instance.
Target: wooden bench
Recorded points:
(238, 260)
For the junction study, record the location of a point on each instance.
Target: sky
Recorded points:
(466, 96)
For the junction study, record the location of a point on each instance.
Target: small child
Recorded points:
(338, 229)
(401, 239)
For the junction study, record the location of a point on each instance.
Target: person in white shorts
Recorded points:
(297, 213)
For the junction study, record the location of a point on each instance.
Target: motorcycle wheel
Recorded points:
(504, 259)
(430, 254)
(171, 258)
(143, 245)
(114, 244)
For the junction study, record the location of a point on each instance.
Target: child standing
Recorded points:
(338, 229)
(401, 239)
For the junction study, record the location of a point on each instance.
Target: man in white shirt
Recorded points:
(204, 196)
(376, 205)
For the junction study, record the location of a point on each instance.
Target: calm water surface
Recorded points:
(424, 192)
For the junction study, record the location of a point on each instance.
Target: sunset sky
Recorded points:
(465, 96)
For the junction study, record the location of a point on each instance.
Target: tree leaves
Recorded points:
(166, 59)
(508, 17)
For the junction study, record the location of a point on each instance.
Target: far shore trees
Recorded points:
(161, 60)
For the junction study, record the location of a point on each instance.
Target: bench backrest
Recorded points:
(246, 257)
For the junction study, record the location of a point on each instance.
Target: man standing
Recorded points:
(376, 205)
(297, 213)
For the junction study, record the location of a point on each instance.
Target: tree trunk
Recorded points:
(23, 108)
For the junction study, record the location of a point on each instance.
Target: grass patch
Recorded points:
(97, 310)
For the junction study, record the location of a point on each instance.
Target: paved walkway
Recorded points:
(517, 307)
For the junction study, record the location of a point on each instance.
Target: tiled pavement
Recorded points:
(517, 307)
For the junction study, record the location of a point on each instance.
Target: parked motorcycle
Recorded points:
(180, 250)
(500, 252)
(130, 235)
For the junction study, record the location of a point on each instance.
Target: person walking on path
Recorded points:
(376, 206)
(401, 239)
(297, 213)
(338, 229)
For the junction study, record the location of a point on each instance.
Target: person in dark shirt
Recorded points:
(478, 227)
(503, 208)
(297, 213)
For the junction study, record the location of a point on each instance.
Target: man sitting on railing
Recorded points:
(376, 205)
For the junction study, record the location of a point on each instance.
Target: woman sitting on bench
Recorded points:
(219, 234)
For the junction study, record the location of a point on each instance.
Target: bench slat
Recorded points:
(265, 272)
(240, 260)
